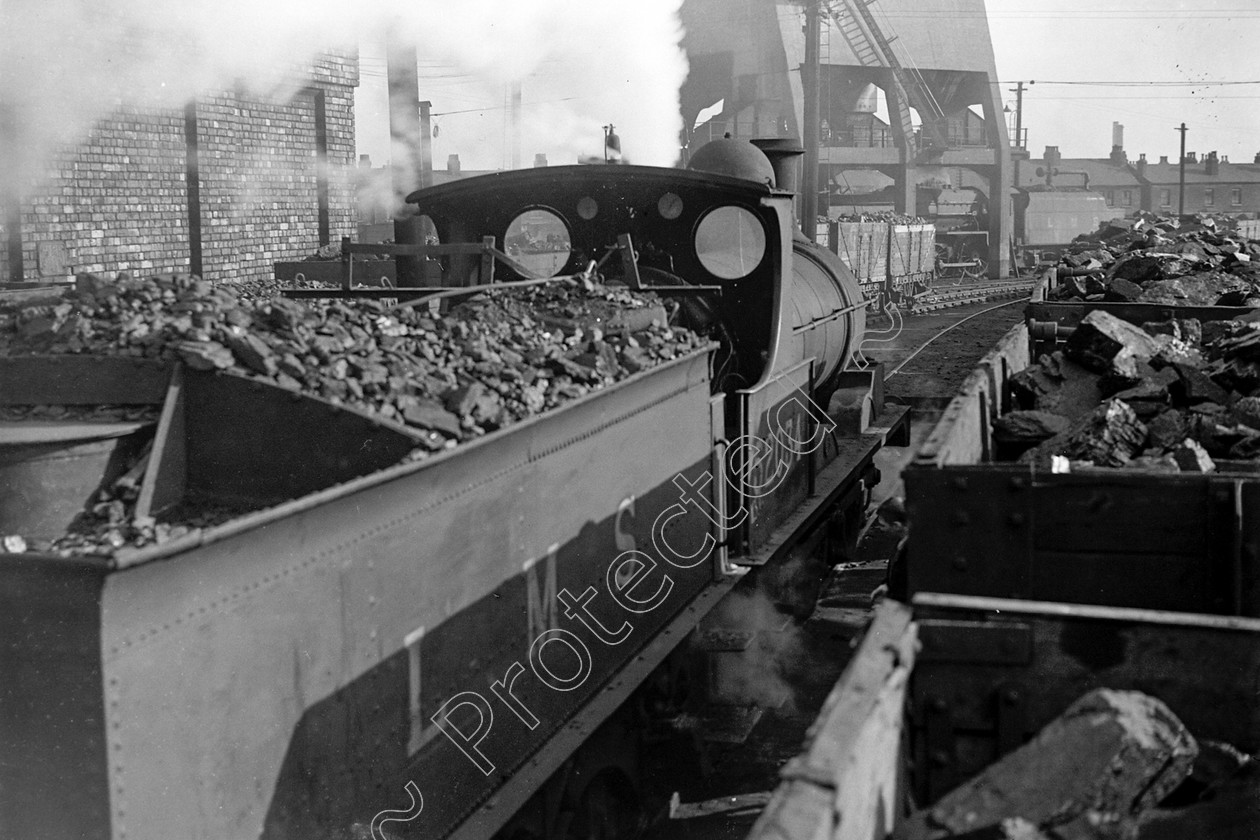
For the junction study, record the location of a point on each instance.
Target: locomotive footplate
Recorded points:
(840, 484)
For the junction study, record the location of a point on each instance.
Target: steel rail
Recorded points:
(959, 323)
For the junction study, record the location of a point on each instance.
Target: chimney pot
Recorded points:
(452, 164)
(1192, 157)
(1164, 159)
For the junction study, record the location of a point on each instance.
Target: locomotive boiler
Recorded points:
(415, 648)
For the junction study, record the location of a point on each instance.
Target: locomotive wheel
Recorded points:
(609, 810)
(978, 271)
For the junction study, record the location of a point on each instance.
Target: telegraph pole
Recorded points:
(1018, 90)
(810, 129)
(426, 144)
(1181, 176)
(515, 116)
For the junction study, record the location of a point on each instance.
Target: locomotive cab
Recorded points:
(719, 243)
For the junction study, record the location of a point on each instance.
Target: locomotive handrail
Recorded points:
(824, 319)
(440, 292)
(485, 249)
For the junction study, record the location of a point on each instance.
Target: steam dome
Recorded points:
(737, 158)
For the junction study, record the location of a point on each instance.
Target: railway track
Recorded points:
(951, 296)
(951, 328)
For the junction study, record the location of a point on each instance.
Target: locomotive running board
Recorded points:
(840, 482)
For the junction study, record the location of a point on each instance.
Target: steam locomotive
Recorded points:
(421, 648)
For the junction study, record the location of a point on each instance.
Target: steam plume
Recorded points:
(66, 63)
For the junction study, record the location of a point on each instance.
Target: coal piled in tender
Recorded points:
(1162, 261)
(1173, 396)
(494, 360)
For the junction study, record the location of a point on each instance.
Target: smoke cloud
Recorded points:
(66, 63)
(581, 65)
(761, 676)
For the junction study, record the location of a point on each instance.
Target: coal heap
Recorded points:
(1172, 396)
(1160, 260)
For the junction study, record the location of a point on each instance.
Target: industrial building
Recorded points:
(222, 188)
(757, 67)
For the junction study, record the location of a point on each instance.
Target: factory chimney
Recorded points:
(1118, 156)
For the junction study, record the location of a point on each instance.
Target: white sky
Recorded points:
(1146, 43)
(1148, 65)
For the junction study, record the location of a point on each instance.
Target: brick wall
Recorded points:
(119, 200)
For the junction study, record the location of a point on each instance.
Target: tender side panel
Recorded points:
(992, 672)
(53, 777)
(313, 651)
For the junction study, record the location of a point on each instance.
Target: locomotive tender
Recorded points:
(415, 648)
